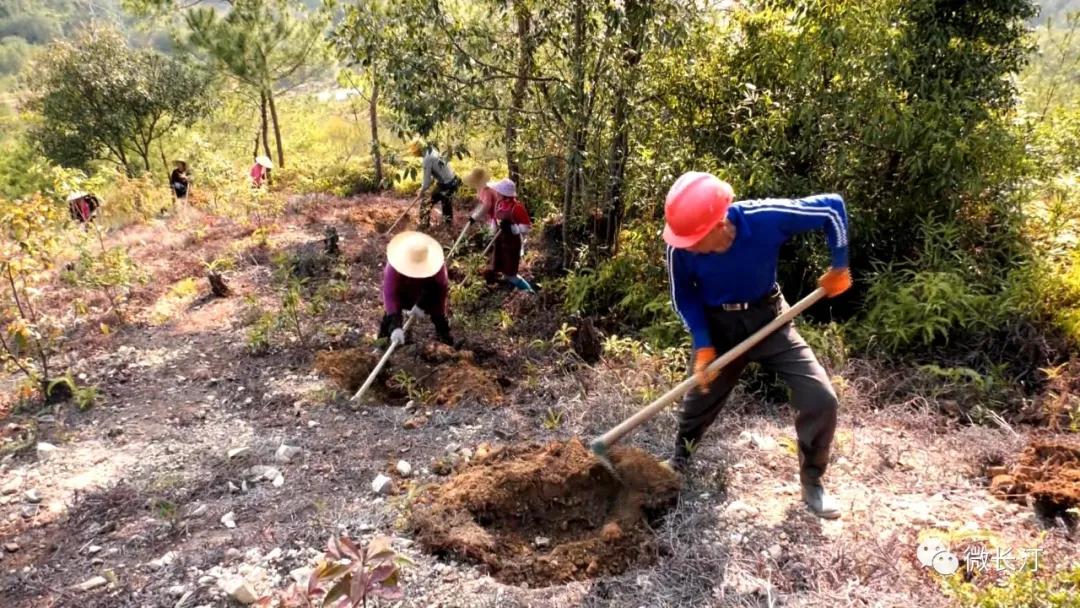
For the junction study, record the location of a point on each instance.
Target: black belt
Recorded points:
(771, 298)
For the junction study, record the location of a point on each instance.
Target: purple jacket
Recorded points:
(401, 292)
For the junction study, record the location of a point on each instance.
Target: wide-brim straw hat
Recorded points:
(415, 254)
(74, 196)
(264, 161)
(505, 187)
(477, 178)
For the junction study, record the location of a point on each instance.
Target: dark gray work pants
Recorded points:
(784, 352)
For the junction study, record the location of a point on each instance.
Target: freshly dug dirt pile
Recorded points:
(545, 515)
(378, 219)
(348, 367)
(461, 381)
(1047, 472)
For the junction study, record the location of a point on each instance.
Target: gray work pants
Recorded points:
(784, 352)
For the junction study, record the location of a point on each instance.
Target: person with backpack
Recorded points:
(513, 221)
(438, 172)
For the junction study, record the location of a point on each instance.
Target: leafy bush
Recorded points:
(350, 576)
(911, 309)
(1024, 589)
(632, 285)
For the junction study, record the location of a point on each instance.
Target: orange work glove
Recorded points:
(702, 358)
(836, 281)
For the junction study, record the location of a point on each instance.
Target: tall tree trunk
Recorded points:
(373, 114)
(576, 141)
(277, 128)
(517, 94)
(265, 125)
(633, 38)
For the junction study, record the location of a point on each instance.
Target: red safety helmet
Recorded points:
(695, 204)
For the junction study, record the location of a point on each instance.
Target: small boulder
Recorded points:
(403, 468)
(229, 520)
(46, 450)
(381, 484)
(286, 453)
(11, 547)
(237, 452)
(238, 589)
(32, 496)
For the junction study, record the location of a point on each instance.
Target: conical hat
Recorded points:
(415, 254)
(264, 161)
(74, 196)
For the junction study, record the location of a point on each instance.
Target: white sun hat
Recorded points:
(505, 187)
(264, 161)
(415, 254)
(74, 196)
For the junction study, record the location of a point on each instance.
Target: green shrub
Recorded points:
(911, 309)
(1025, 589)
(633, 285)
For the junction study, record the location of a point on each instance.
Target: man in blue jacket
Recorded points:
(722, 259)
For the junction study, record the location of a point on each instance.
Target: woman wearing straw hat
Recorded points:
(83, 207)
(484, 212)
(513, 221)
(415, 279)
(260, 171)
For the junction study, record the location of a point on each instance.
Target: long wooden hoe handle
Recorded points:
(403, 214)
(600, 445)
(488, 248)
(382, 362)
(458, 241)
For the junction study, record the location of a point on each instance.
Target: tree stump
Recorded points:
(586, 341)
(330, 241)
(218, 286)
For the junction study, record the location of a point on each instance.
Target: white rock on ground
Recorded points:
(93, 583)
(239, 590)
(32, 496)
(163, 561)
(229, 520)
(286, 453)
(233, 453)
(381, 484)
(45, 450)
(278, 481)
(403, 468)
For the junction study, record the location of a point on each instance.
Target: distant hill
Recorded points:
(26, 25)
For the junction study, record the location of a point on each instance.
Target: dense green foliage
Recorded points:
(99, 99)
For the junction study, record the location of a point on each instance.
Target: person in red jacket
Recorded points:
(513, 221)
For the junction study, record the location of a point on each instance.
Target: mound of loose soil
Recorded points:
(1047, 472)
(378, 219)
(348, 367)
(458, 381)
(545, 515)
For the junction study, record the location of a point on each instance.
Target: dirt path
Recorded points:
(137, 487)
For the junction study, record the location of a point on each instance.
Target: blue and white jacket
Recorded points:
(747, 271)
